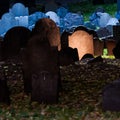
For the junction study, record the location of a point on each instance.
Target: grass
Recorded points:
(87, 8)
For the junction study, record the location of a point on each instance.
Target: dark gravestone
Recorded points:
(111, 96)
(48, 28)
(42, 70)
(67, 55)
(98, 47)
(82, 39)
(116, 37)
(15, 39)
(116, 51)
(87, 56)
(95, 60)
(116, 33)
(4, 90)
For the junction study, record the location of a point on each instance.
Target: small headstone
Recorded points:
(98, 47)
(110, 44)
(95, 60)
(73, 20)
(111, 97)
(116, 51)
(8, 21)
(68, 56)
(48, 28)
(52, 15)
(15, 39)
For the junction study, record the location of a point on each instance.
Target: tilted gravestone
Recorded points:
(111, 96)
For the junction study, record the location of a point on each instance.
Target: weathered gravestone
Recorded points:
(116, 37)
(43, 70)
(111, 96)
(47, 27)
(15, 39)
(40, 62)
(67, 55)
(82, 39)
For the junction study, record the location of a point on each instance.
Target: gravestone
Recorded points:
(110, 44)
(87, 56)
(116, 51)
(82, 39)
(44, 28)
(15, 39)
(98, 47)
(67, 55)
(111, 96)
(43, 70)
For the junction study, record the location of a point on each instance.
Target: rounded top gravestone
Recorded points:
(18, 9)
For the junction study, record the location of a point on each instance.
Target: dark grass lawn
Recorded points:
(80, 98)
(87, 8)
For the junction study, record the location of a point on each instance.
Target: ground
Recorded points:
(80, 97)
